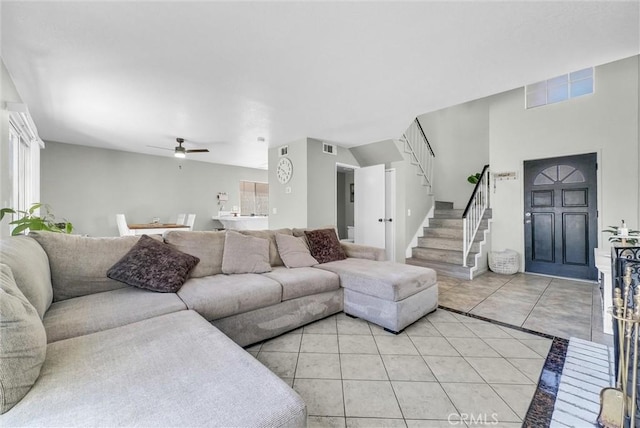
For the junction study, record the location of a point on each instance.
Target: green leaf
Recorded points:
(21, 221)
(34, 207)
(68, 228)
(5, 211)
(18, 230)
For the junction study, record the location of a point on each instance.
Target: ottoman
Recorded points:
(391, 295)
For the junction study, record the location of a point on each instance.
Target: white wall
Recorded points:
(89, 186)
(605, 122)
(8, 93)
(459, 136)
(411, 196)
(321, 184)
(291, 208)
(312, 201)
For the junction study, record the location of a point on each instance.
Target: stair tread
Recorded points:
(471, 253)
(442, 268)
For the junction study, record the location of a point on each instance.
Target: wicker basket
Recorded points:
(506, 262)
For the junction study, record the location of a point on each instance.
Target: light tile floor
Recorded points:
(442, 370)
(554, 306)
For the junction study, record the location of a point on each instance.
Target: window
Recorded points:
(560, 88)
(24, 146)
(254, 198)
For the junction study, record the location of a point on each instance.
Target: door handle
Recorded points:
(382, 220)
(527, 214)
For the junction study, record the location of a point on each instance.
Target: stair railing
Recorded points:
(420, 150)
(473, 213)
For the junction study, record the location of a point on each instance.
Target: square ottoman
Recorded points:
(391, 295)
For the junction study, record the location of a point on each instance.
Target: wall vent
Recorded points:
(329, 148)
(283, 151)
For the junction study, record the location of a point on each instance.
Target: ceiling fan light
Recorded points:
(180, 152)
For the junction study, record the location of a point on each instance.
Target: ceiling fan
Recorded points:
(179, 151)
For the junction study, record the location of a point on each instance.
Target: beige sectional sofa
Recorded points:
(118, 355)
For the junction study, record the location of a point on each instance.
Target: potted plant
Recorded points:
(474, 178)
(29, 220)
(620, 233)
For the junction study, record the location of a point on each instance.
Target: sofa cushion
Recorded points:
(174, 370)
(386, 280)
(79, 264)
(219, 296)
(30, 267)
(153, 265)
(324, 245)
(294, 251)
(109, 309)
(206, 245)
(23, 342)
(303, 281)
(270, 235)
(245, 254)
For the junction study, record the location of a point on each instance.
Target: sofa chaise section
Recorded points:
(389, 294)
(171, 370)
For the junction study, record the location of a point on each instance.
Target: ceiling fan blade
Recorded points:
(198, 151)
(161, 148)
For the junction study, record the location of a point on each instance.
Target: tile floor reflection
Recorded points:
(554, 306)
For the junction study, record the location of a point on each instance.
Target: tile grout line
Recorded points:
(344, 401)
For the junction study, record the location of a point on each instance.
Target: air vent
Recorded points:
(283, 151)
(329, 148)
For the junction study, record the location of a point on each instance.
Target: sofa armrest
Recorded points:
(363, 251)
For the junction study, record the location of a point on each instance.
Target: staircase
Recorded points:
(417, 146)
(441, 247)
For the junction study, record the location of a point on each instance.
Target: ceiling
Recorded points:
(126, 75)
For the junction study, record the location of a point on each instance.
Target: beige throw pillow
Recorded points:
(23, 342)
(294, 251)
(245, 254)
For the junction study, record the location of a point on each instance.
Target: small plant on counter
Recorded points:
(28, 220)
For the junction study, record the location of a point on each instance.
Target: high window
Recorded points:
(24, 146)
(254, 198)
(560, 88)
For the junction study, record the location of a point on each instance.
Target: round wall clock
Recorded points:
(284, 171)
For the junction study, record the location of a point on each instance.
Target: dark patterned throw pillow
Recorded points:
(153, 265)
(324, 245)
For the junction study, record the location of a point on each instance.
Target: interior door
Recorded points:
(560, 219)
(369, 206)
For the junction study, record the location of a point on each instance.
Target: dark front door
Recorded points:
(560, 219)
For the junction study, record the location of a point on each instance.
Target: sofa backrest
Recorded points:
(208, 246)
(79, 264)
(30, 267)
(270, 235)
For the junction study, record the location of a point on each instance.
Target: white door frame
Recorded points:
(390, 213)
